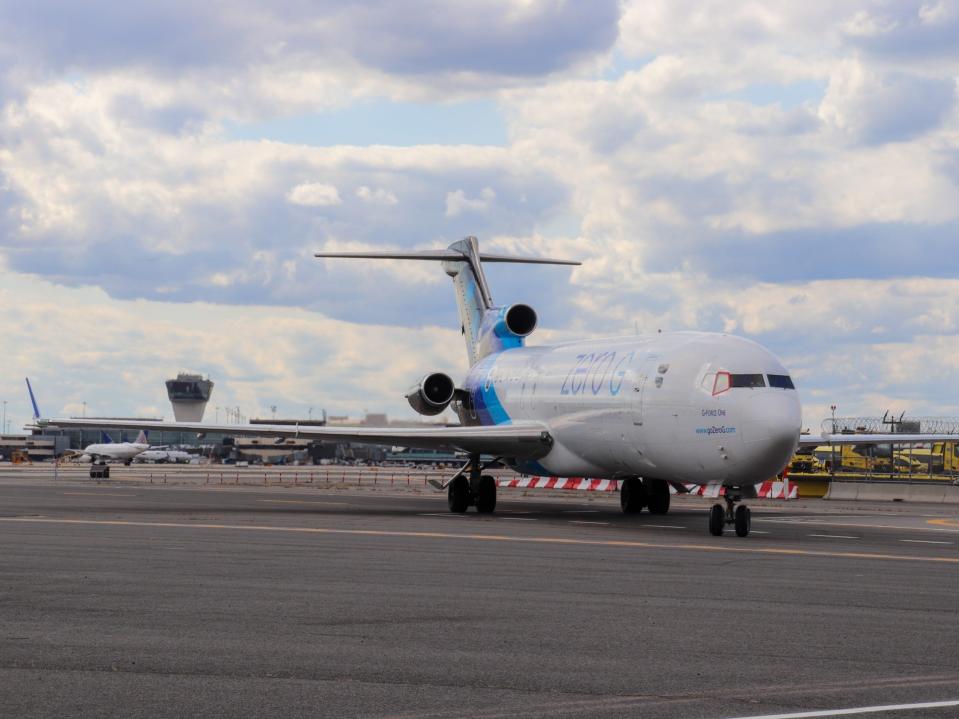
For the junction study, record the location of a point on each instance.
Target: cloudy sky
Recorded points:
(784, 170)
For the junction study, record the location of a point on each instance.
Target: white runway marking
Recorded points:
(756, 531)
(858, 710)
(834, 536)
(585, 521)
(521, 519)
(665, 526)
(923, 541)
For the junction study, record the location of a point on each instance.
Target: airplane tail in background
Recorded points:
(33, 400)
(105, 438)
(485, 328)
(142, 437)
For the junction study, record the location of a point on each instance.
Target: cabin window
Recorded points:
(781, 381)
(750, 381)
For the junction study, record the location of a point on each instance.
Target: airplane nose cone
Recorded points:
(771, 426)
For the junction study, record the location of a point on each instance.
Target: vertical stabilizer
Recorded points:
(33, 400)
(472, 293)
(142, 437)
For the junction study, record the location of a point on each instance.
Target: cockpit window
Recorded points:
(746, 380)
(781, 381)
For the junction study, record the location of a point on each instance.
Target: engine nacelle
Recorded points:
(518, 320)
(432, 394)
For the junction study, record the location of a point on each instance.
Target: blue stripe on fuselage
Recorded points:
(487, 404)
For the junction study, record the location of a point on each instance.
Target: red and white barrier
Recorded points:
(583, 483)
(765, 490)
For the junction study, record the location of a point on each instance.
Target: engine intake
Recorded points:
(520, 320)
(432, 394)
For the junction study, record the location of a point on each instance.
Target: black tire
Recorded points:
(717, 520)
(657, 493)
(743, 520)
(486, 499)
(632, 496)
(458, 495)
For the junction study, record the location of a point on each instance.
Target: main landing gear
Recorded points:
(635, 494)
(739, 517)
(472, 487)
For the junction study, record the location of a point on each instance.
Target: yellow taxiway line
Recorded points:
(727, 548)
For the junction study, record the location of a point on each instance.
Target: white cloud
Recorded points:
(457, 202)
(314, 194)
(379, 196)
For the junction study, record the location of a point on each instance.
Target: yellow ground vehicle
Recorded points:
(852, 458)
(942, 458)
(805, 461)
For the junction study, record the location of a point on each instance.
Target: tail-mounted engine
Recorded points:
(504, 328)
(432, 394)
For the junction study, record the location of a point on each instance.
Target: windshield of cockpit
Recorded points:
(719, 382)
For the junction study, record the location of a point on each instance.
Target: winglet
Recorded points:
(33, 400)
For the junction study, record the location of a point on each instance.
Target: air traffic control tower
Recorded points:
(189, 394)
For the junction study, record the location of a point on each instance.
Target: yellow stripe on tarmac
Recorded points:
(95, 494)
(493, 538)
(943, 522)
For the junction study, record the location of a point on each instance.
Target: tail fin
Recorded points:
(105, 438)
(480, 320)
(33, 400)
(142, 437)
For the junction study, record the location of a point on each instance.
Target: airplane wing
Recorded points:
(809, 440)
(523, 440)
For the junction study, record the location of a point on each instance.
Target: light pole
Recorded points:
(832, 454)
(84, 408)
(310, 414)
(4, 425)
(218, 415)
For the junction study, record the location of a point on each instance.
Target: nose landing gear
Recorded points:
(739, 517)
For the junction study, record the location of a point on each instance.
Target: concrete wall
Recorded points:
(893, 492)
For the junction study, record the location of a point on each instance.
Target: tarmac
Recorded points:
(125, 598)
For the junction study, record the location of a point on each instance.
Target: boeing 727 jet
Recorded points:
(669, 408)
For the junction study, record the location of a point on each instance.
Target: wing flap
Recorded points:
(527, 440)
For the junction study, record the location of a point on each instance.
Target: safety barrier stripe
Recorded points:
(766, 490)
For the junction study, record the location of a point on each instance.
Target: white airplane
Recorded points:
(100, 452)
(162, 455)
(668, 408)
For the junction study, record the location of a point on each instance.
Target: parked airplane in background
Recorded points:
(669, 408)
(164, 455)
(103, 451)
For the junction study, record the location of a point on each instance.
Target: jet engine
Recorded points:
(432, 394)
(518, 320)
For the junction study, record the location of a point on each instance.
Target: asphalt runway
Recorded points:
(126, 599)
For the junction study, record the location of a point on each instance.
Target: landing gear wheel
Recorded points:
(742, 520)
(717, 520)
(632, 496)
(458, 494)
(486, 495)
(657, 490)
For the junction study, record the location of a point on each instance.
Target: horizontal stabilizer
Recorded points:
(447, 255)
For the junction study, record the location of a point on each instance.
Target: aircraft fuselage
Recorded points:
(653, 406)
